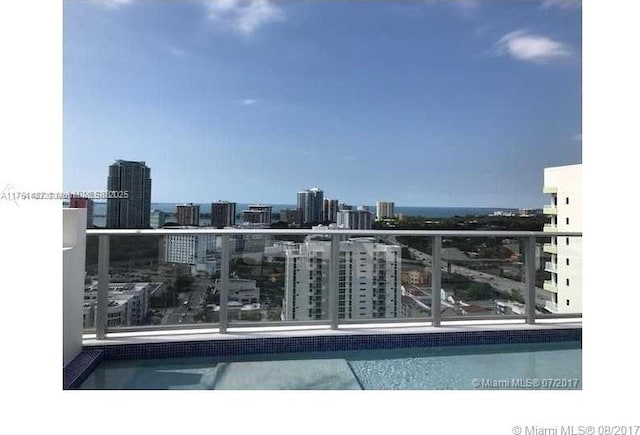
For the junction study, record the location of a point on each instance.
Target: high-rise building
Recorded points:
(369, 280)
(76, 201)
(564, 184)
(223, 214)
(290, 216)
(257, 214)
(188, 215)
(190, 248)
(310, 202)
(354, 219)
(130, 183)
(329, 210)
(250, 243)
(157, 218)
(385, 210)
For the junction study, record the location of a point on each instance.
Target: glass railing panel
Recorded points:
(370, 270)
(153, 281)
(416, 276)
(482, 276)
(278, 278)
(174, 279)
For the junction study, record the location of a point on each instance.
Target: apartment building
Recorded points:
(564, 185)
(369, 280)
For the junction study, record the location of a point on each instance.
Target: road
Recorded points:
(190, 304)
(503, 285)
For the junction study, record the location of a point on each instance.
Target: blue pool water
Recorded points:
(538, 365)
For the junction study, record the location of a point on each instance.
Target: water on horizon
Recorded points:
(100, 210)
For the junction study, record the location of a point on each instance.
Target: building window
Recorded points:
(567, 282)
(567, 200)
(567, 241)
(567, 261)
(567, 302)
(567, 221)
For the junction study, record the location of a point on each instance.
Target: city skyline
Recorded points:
(452, 104)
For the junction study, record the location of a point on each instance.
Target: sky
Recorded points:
(425, 103)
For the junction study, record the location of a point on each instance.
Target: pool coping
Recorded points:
(80, 367)
(283, 341)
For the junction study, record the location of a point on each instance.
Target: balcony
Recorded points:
(550, 228)
(550, 209)
(549, 189)
(550, 287)
(192, 312)
(115, 272)
(550, 248)
(550, 266)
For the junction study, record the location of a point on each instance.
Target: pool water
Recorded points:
(455, 367)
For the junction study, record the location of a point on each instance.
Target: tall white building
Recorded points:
(564, 184)
(369, 280)
(190, 248)
(385, 210)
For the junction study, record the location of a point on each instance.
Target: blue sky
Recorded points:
(427, 103)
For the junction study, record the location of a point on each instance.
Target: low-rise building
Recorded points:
(242, 291)
(128, 303)
(507, 308)
(415, 275)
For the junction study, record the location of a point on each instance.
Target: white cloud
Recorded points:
(562, 4)
(529, 47)
(248, 101)
(175, 51)
(243, 16)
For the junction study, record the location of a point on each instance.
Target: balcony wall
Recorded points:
(73, 256)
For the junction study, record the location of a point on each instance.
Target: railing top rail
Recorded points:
(364, 233)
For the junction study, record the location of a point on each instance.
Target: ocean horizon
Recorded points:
(100, 209)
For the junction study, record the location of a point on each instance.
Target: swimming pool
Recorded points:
(543, 365)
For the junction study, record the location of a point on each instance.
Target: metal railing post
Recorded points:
(334, 267)
(530, 279)
(224, 284)
(103, 287)
(436, 280)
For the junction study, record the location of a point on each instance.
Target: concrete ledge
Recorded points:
(307, 331)
(246, 343)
